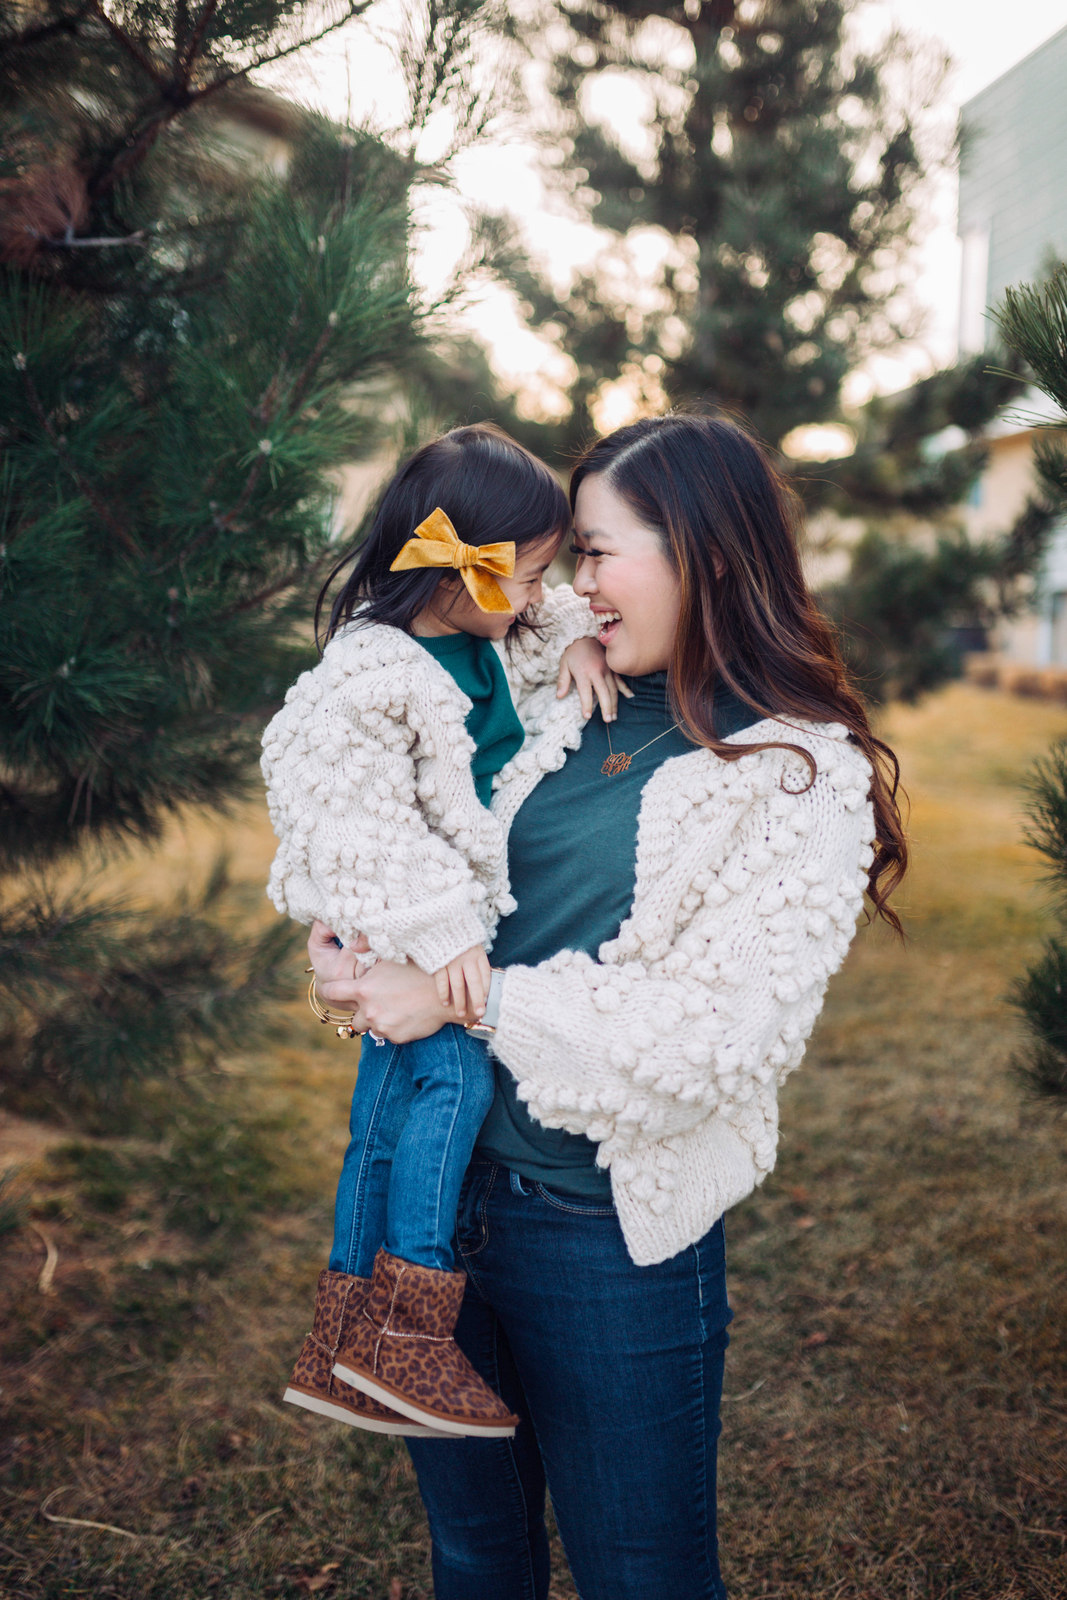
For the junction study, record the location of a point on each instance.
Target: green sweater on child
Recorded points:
(491, 722)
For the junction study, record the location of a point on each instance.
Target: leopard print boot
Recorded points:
(339, 1301)
(400, 1351)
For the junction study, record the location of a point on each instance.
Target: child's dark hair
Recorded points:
(492, 490)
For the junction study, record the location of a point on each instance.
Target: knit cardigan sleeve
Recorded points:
(350, 808)
(746, 901)
(534, 659)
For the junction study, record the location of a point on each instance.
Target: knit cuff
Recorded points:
(434, 934)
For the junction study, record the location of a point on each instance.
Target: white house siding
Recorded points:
(1013, 183)
(1012, 223)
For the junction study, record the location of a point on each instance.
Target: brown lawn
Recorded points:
(894, 1424)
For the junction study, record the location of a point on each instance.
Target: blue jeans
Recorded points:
(416, 1112)
(616, 1372)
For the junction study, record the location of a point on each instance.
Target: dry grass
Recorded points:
(894, 1424)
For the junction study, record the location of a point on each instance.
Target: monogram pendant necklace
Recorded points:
(618, 761)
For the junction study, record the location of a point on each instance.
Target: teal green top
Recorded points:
(492, 721)
(572, 862)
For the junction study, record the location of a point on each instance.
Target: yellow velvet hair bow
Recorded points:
(435, 543)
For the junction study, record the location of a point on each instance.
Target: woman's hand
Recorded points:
(393, 999)
(399, 1002)
(584, 665)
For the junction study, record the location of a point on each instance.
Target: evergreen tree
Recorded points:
(1041, 994)
(1033, 321)
(769, 153)
(919, 451)
(917, 582)
(781, 165)
(188, 345)
(777, 165)
(908, 607)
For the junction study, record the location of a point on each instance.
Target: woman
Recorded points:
(687, 879)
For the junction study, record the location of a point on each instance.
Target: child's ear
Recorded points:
(448, 591)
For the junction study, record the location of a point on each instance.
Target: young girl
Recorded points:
(379, 772)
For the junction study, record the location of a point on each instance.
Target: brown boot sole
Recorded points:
(403, 1427)
(451, 1427)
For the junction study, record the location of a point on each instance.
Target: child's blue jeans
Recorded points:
(416, 1112)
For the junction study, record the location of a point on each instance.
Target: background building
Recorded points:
(1012, 225)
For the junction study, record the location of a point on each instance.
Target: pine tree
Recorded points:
(778, 166)
(188, 350)
(917, 581)
(1033, 321)
(771, 156)
(1041, 994)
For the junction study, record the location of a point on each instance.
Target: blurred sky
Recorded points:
(977, 33)
(352, 75)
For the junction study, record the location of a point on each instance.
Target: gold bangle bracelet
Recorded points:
(345, 1025)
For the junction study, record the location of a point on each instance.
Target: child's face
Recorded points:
(455, 611)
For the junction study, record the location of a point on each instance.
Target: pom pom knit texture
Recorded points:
(669, 1049)
(369, 787)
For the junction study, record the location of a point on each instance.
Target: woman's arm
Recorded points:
(683, 1022)
(631, 1050)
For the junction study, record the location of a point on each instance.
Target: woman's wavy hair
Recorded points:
(491, 488)
(729, 524)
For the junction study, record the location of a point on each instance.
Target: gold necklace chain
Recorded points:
(618, 761)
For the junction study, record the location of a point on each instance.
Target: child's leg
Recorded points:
(400, 1351)
(380, 1105)
(451, 1080)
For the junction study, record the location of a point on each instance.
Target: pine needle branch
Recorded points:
(89, 490)
(310, 367)
(203, 21)
(253, 601)
(179, 97)
(1033, 320)
(1046, 831)
(125, 42)
(102, 994)
(266, 411)
(355, 9)
(131, 154)
(226, 519)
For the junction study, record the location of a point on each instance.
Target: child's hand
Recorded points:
(333, 960)
(584, 666)
(464, 983)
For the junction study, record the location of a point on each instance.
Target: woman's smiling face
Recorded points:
(624, 573)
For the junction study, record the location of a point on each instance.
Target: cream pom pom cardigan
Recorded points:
(669, 1049)
(370, 791)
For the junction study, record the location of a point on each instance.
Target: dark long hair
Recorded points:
(729, 526)
(490, 487)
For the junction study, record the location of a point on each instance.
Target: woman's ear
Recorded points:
(718, 564)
